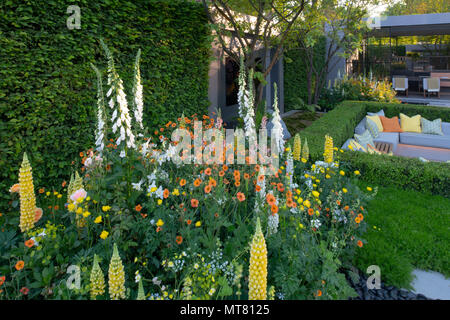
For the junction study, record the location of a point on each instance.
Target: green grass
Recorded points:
(412, 232)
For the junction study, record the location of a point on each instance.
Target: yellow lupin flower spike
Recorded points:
(116, 276)
(70, 188)
(97, 280)
(297, 147)
(27, 196)
(141, 293)
(258, 266)
(328, 149)
(305, 150)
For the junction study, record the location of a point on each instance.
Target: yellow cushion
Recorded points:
(377, 121)
(410, 124)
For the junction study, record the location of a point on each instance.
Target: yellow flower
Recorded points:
(159, 202)
(328, 149)
(80, 200)
(153, 189)
(104, 234)
(116, 276)
(159, 223)
(357, 172)
(97, 280)
(59, 196)
(304, 160)
(176, 192)
(300, 200)
(55, 193)
(315, 194)
(307, 203)
(298, 191)
(86, 214)
(27, 196)
(71, 207)
(257, 281)
(106, 208)
(79, 210)
(369, 189)
(198, 224)
(327, 176)
(342, 173)
(344, 190)
(297, 147)
(98, 219)
(47, 193)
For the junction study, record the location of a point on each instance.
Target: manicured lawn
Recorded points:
(300, 120)
(406, 230)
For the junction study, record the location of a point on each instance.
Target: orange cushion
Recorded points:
(390, 124)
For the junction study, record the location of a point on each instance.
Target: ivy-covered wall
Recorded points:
(295, 73)
(48, 89)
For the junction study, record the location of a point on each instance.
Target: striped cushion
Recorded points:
(364, 139)
(355, 146)
(431, 127)
(372, 127)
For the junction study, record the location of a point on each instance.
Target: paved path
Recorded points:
(431, 284)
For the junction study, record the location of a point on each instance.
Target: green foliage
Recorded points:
(295, 69)
(409, 173)
(47, 98)
(406, 230)
(361, 89)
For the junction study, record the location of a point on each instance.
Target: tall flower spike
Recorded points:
(101, 132)
(305, 150)
(258, 266)
(27, 196)
(97, 280)
(137, 91)
(277, 128)
(141, 293)
(297, 147)
(70, 188)
(242, 85)
(328, 149)
(116, 276)
(120, 118)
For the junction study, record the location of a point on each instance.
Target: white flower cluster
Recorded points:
(100, 133)
(137, 90)
(272, 224)
(290, 169)
(277, 130)
(246, 100)
(315, 223)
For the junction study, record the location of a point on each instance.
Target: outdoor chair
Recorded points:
(400, 84)
(431, 85)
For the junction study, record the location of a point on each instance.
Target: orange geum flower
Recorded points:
(270, 199)
(310, 211)
(237, 183)
(179, 239)
(182, 182)
(207, 189)
(19, 265)
(197, 182)
(221, 173)
(212, 182)
(208, 171)
(359, 243)
(194, 203)
(274, 208)
(37, 214)
(138, 208)
(29, 243)
(280, 187)
(240, 196)
(166, 193)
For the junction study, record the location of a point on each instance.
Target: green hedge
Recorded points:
(408, 173)
(295, 68)
(48, 90)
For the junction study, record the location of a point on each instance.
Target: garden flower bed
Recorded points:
(136, 224)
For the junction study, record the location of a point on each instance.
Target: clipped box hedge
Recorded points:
(48, 89)
(406, 173)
